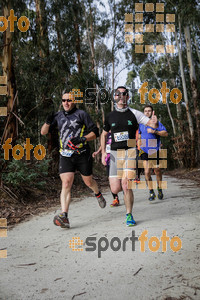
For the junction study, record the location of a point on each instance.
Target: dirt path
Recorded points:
(40, 265)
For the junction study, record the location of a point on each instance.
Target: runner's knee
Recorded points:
(115, 189)
(66, 184)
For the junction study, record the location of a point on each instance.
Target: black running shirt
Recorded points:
(73, 124)
(123, 126)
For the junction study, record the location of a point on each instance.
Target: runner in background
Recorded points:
(107, 159)
(150, 134)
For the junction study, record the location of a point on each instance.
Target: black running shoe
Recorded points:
(152, 196)
(160, 194)
(61, 220)
(101, 201)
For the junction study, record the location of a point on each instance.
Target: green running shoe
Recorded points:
(129, 220)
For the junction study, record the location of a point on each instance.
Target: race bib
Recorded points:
(67, 153)
(108, 148)
(121, 136)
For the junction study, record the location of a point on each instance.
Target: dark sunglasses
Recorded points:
(68, 100)
(118, 93)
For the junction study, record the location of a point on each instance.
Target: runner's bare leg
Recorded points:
(65, 195)
(91, 183)
(128, 196)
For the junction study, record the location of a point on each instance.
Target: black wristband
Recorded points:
(83, 139)
(49, 119)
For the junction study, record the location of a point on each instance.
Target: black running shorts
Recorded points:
(80, 162)
(144, 156)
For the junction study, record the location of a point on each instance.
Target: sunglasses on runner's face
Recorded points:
(68, 100)
(118, 93)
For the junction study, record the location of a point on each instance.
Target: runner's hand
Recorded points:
(78, 140)
(49, 118)
(154, 118)
(94, 154)
(103, 158)
(149, 130)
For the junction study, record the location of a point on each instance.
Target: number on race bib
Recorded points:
(121, 136)
(67, 153)
(108, 148)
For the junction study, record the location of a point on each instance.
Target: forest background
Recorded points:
(83, 45)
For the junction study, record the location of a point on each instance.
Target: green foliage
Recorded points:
(20, 173)
(130, 77)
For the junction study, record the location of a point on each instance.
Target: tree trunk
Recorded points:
(189, 118)
(58, 33)
(191, 128)
(168, 108)
(197, 49)
(43, 45)
(178, 106)
(171, 118)
(91, 40)
(195, 94)
(41, 21)
(114, 25)
(94, 66)
(77, 35)
(8, 71)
